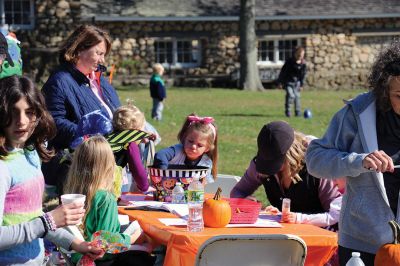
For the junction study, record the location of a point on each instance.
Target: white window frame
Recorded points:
(175, 63)
(12, 25)
(157, 55)
(275, 62)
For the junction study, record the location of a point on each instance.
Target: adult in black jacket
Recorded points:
(291, 78)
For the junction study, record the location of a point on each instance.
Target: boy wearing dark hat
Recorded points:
(280, 167)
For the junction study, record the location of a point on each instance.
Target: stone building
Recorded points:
(197, 40)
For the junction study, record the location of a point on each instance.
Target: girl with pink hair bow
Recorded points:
(198, 146)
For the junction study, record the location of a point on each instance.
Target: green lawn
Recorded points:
(239, 116)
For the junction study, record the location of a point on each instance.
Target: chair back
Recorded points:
(225, 182)
(252, 250)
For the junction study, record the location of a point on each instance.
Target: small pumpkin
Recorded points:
(389, 254)
(216, 211)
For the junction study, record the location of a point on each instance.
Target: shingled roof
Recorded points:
(229, 9)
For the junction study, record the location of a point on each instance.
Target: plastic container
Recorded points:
(285, 207)
(195, 204)
(178, 194)
(355, 260)
(244, 211)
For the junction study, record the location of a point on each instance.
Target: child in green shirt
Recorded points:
(92, 174)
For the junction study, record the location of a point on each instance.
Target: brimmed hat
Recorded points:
(4, 49)
(273, 141)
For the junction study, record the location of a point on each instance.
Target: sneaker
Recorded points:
(298, 113)
(288, 114)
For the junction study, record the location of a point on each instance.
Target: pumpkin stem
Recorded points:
(217, 195)
(396, 231)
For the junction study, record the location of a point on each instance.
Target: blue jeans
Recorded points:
(292, 95)
(158, 107)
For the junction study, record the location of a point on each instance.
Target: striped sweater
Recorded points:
(21, 191)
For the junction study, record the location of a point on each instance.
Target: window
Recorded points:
(163, 52)
(276, 51)
(266, 51)
(17, 13)
(177, 53)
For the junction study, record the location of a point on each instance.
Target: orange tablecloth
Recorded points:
(182, 246)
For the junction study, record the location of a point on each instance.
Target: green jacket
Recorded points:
(15, 52)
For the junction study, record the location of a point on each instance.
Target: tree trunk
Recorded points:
(249, 75)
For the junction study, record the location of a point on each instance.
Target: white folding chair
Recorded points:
(225, 182)
(252, 250)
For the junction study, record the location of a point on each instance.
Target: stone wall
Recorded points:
(54, 20)
(338, 52)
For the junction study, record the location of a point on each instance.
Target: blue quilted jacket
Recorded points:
(69, 96)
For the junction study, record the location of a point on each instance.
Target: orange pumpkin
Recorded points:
(389, 254)
(216, 212)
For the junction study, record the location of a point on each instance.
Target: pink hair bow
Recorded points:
(204, 120)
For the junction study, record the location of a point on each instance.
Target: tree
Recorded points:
(249, 76)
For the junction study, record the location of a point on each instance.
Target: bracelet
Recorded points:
(46, 228)
(50, 221)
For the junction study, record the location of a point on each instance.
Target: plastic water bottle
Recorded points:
(195, 204)
(178, 194)
(355, 260)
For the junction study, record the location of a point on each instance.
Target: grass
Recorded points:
(239, 116)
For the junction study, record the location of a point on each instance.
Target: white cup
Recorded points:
(69, 198)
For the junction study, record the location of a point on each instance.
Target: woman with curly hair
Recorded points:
(362, 143)
(280, 167)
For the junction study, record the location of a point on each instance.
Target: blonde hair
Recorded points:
(157, 68)
(92, 168)
(295, 156)
(128, 117)
(211, 135)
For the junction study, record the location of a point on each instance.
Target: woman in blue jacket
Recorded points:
(362, 143)
(77, 88)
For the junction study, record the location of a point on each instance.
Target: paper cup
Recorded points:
(69, 198)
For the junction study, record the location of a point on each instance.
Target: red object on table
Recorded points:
(182, 246)
(244, 211)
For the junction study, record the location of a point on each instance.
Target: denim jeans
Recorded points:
(156, 112)
(292, 95)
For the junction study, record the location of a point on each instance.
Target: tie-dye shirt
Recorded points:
(21, 192)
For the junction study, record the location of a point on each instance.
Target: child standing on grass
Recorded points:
(25, 125)
(198, 146)
(157, 91)
(292, 77)
(92, 174)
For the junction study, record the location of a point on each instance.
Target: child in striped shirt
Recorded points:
(25, 126)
